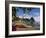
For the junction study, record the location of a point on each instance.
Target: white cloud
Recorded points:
(20, 17)
(37, 18)
(25, 16)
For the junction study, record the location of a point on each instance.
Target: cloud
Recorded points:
(28, 17)
(37, 18)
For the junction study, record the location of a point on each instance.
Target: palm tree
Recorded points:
(26, 11)
(13, 13)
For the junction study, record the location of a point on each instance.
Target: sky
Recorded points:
(35, 12)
